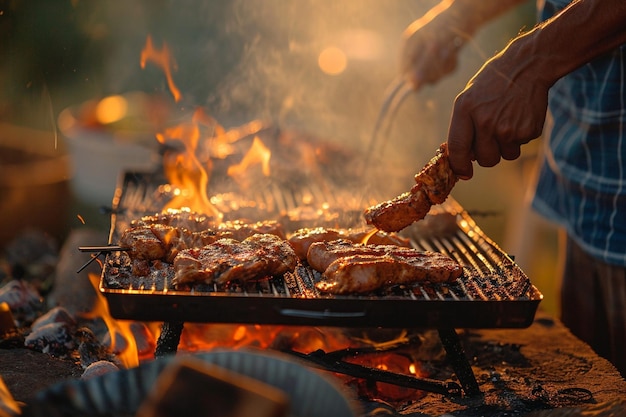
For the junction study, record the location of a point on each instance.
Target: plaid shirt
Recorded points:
(582, 181)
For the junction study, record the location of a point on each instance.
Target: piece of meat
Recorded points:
(394, 215)
(240, 230)
(376, 266)
(154, 241)
(322, 254)
(359, 274)
(433, 185)
(302, 239)
(162, 242)
(224, 260)
(142, 243)
(437, 178)
(179, 218)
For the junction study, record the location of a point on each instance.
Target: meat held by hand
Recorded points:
(433, 185)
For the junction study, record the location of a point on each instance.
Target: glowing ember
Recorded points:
(391, 362)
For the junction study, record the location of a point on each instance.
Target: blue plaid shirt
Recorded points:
(582, 181)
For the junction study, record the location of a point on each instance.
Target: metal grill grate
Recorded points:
(493, 291)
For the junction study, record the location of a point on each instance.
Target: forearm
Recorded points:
(583, 31)
(465, 16)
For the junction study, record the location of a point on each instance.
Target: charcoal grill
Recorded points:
(493, 291)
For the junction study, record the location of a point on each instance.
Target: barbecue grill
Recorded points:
(493, 291)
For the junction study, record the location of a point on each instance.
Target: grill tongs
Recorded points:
(395, 94)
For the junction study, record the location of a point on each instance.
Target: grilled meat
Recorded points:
(154, 241)
(240, 230)
(394, 215)
(224, 260)
(433, 185)
(179, 218)
(158, 241)
(354, 268)
(302, 239)
(437, 177)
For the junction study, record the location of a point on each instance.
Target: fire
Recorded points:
(391, 362)
(128, 356)
(368, 235)
(187, 173)
(163, 59)
(190, 150)
(184, 170)
(258, 154)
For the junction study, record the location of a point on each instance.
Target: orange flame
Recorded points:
(129, 356)
(258, 154)
(162, 59)
(184, 171)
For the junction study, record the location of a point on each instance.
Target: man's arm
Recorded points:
(504, 105)
(431, 43)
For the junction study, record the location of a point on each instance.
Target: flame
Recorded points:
(162, 59)
(184, 171)
(368, 235)
(305, 339)
(188, 174)
(258, 154)
(129, 356)
(197, 337)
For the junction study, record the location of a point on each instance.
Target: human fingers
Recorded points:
(460, 145)
(510, 151)
(486, 149)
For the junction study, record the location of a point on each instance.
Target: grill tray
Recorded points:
(492, 293)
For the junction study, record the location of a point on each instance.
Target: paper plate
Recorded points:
(311, 393)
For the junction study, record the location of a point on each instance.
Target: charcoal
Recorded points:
(56, 339)
(24, 300)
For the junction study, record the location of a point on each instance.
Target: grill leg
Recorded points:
(169, 338)
(458, 360)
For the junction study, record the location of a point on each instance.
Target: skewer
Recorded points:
(98, 250)
(93, 258)
(107, 248)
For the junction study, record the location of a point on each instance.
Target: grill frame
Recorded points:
(492, 293)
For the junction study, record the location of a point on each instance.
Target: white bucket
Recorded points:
(100, 154)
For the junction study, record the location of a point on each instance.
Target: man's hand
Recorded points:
(502, 108)
(504, 105)
(430, 46)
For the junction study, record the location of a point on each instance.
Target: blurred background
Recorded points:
(242, 60)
